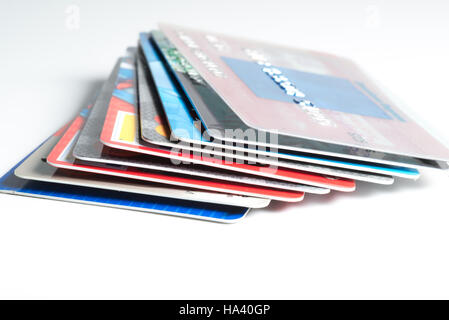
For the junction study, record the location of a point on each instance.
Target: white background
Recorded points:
(379, 242)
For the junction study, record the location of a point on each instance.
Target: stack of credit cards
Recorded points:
(207, 126)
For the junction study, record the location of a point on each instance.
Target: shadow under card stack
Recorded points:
(207, 126)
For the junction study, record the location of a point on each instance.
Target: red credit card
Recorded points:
(61, 157)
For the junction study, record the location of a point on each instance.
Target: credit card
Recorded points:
(120, 131)
(255, 81)
(11, 184)
(184, 130)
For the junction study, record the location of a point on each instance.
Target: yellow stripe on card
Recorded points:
(128, 130)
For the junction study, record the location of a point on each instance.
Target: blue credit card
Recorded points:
(177, 110)
(9, 183)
